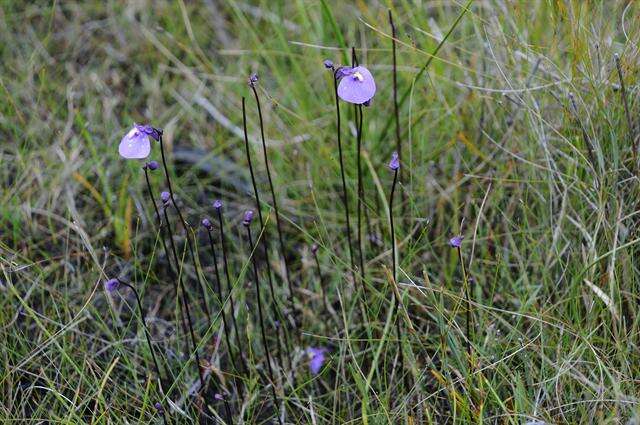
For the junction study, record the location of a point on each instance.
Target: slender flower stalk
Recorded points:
(263, 230)
(314, 251)
(345, 194)
(218, 207)
(456, 242)
(186, 229)
(625, 102)
(252, 84)
(163, 237)
(185, 294)
(395, 90)
(206, 223)
(359, 120)
(112, 285)
(394, 165)
(248, 217)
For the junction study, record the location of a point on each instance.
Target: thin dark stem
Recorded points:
(186, 229)
(468, 300)
(395, 89)
(185, 298)
(263, 230)
(623, 94)
(265, 343)
(345, 201)
(359, 120)
(219, 290)
(275, 202)
(321, 283)
(394, 269)
(229, 288)
(163, 237)
(143, 319)
(585, 136)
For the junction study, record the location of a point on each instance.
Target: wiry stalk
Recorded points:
(219, 291)
(186, 229)
(275, 203)
(468, 300)
(265, 343)
(143, 319)
(345, 201)
(395, 90)
(263, 230)
(185, 297)
(230, 288)
(359, 119)
(625, 102)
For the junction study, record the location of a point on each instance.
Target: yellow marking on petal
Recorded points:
(358, 76)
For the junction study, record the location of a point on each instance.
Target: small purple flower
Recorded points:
(394, 164)
(206, 223)
(135, 144)
(318, 358)
(248, 216)
(152, 165)
(314, 248)
(217, 204)
(253, 79)
(159, 407)
(328, 64)
(218, 396)
(165, 196)
(150, 131)
(456, 241)
(356, 85)
(111, 285)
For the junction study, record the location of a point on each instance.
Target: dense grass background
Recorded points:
(493, 149)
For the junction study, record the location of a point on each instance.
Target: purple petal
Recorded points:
(318, 358)
(357, 86)
(456, 241)
(135, 145)
(394, 164)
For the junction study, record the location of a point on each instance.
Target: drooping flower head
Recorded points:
(328, 64)
(152, 165)
(356, 85)
(217, 204)
(248, 217)
(158, 407)
(111, 285)
(206, 223)
(135, 144)
(253, 79)
(314, 248)
(456, 241)
(164, 197)
(150, 131)
(318, 357)
(394, 164)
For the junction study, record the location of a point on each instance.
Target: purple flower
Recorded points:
(111, 285)
(253, 79)
(135, 144)
(152, 165)
(218, 396)
(356, 85)
(317, 359)
(150, 131)
(165, 196)
(248, 216)
(394, 164)
(314, 248)
(206, 223)
(328, 64)
(159, 407)
(217, 204)
(456, 241)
